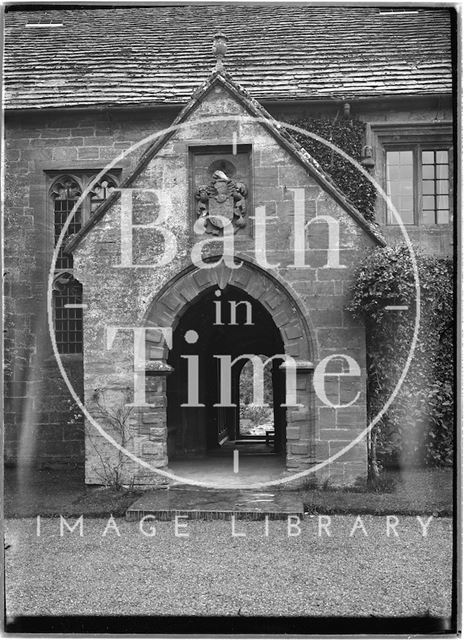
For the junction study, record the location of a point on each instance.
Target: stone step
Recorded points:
(212, 504)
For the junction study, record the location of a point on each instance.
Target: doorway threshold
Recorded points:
(221, 472)
(213, 504)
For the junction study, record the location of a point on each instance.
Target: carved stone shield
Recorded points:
(221, 202)
(222, 197)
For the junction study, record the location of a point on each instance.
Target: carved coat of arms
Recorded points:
(222, 197)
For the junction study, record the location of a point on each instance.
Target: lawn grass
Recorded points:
(49, 493)
(52, 492)
(412, 492)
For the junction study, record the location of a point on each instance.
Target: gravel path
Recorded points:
(213, 573)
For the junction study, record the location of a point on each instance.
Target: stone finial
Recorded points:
(219, 49)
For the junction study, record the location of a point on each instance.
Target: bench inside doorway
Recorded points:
(269, 438)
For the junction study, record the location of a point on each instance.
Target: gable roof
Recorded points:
(220, 77)
(128, 55)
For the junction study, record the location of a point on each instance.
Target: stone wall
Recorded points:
(426, 114)
(124, 297)
(37, 418)
(37, 405)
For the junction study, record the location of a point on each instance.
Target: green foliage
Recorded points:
(246, 383)
(418, 426)
(349, 136)
(257, 414)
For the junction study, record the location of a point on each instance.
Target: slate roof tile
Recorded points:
(160, 54)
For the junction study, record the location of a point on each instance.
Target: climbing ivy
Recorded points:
(349, 136)
(418, 426)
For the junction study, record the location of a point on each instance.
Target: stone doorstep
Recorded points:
(212, 504)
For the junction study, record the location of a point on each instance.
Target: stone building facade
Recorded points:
(304, 305)
(55, 150)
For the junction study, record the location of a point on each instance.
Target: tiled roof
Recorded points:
(160, 54)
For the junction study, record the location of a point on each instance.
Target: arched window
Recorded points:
(65, 192)
(101, 191)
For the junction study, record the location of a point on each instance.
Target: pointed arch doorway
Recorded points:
(224, 324)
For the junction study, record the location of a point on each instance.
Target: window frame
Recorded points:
(416, 137)
(415, 182)
(82, 178)
(63, 281)
(449, 164)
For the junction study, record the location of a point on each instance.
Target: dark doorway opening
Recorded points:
(229, 323)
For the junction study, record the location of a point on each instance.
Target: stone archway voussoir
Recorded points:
(204, 278)
(188, 288)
